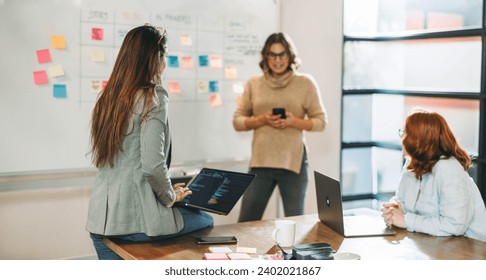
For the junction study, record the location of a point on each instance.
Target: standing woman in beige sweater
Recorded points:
(278, 149)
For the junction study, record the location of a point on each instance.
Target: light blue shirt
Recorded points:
(446, 202)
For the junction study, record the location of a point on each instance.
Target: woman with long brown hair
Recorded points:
(279, 155)
(435, 195)
(133, 195)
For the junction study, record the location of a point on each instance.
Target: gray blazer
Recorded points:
(136, 195)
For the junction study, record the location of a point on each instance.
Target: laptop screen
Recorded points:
(216, 190)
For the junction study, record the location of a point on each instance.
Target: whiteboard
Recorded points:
(47, 90)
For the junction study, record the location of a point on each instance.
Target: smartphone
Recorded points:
(216, 240)
(279, 111)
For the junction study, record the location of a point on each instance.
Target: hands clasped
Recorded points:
(181, 191)
(393, 214)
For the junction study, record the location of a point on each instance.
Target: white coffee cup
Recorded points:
(284, 233)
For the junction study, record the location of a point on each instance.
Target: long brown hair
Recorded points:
(135, 74)
(427, 138)
(284, 39)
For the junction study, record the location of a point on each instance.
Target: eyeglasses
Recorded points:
(273, 56)
(401, 132)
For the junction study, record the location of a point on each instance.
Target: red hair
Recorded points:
(428, 138)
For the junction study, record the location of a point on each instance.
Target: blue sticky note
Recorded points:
(203, 61)
(59, 91)
(213, 86)
(173, 61)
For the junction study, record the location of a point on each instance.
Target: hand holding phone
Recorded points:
(279, 111)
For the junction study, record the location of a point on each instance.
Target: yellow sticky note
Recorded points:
(230, 72)
(56, 70)
(95, 86)
(185, 40)
(58, 42)
(97, 55)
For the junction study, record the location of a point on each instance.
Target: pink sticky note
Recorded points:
(43, 56)
(175, 87)
(97, 34)
(215, 100)
(216, 256)
(40, 77)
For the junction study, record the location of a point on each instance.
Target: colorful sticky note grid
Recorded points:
(173, 61)
(213, 86)
(59, 91)
(215, 100)
(97, 34)
(40, 77)
(203, 61)
(58, 42)
(43, 56)
(56, 70)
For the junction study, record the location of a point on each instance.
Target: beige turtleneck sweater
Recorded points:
(297, 93)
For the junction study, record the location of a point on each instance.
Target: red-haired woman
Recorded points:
(435, 195)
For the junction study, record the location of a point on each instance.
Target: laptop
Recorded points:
(330, 209)
(216, 191)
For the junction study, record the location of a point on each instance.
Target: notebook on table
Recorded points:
(216, 191)
(330, 209)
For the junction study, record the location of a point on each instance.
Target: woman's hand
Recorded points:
(181, 191)
(393, 214)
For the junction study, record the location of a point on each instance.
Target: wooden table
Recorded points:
(257, 234)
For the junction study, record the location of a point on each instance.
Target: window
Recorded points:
(399, 55)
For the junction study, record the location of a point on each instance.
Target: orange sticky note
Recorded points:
(43, 56)
(186, 61)
(58, 42)
(40, 77)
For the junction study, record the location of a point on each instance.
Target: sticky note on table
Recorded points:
(40, 77)
(239, 256)
(58, 42)
(220, 249)
(43, 56)
(59, 91)
(215, 256)
(248, 250)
